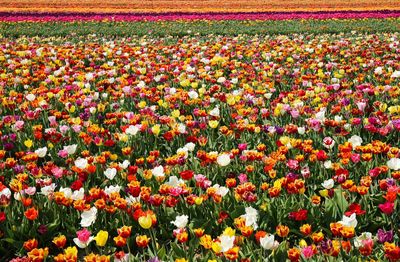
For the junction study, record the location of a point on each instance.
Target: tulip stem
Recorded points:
(123, 222)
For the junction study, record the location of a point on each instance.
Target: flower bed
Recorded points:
(200, 148)
(162, 6)
(168, 16)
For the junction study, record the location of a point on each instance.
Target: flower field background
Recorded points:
(134, 133)
(214, 6)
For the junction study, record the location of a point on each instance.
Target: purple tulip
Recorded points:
(385, 236)
(8, 146)
(42, 229)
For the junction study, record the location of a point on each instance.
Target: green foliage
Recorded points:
(199, 27)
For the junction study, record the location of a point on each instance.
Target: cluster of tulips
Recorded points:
(223, 148)
(173, 16)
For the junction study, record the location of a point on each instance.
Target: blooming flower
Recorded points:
(88, 217)
(83, 239)
(349, 221)
(145, 221)
(101, 238)
(251, 217)
(181, 221)
(223, 160)
(81, 163)
(110, 173)
(328, 184)
(394, 164)
(355, 141)
(267, 242)
(226, 242)
(358, 241)
(387, 208)
(71, 149)
(158, 171)
(41, 152)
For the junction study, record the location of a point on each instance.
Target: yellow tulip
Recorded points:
(145, 222)
(142, 104)
(323, 192)
(175, 113)
(213, 123)
(101, 238)
(302, 243)
(71, 251)
(216, 247)
(28, 143)
(156, 129)
(229, 232)
(198, 200)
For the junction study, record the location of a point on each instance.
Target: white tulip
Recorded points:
(215, 112)
(221, 190)
(132, 130)
(67, 192)
(226, 242)
(125, 164)
(190, 146)
(30, 97)
(47, 190)
(78, 194)
(355, 141)
(251, 217)
(181, 128)
(158, 171)
(180, 221)
(350, 221)
(394, 164)
(267, 242)
(223, 160)
(81, 163)
(112, 189)
(110, 173)
(174, 181)
(6, 192)
(328, 164)
(395, 74)
(41, 152)
(301, 130)
(70, 149)
(378, 70)
(328, 184)
(88, 217)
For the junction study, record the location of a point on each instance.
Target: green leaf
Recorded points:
(240, 210)
(340, 201)
(161, 253)
(280, 254)
(177, 250)
(8, 240)
(330, 208)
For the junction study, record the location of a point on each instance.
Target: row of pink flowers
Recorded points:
(14, 17)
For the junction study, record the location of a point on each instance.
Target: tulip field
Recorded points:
(156, 136)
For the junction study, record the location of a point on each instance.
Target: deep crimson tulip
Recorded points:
(299, 215)
(187, 174)
(354, 208)
(387, 208)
